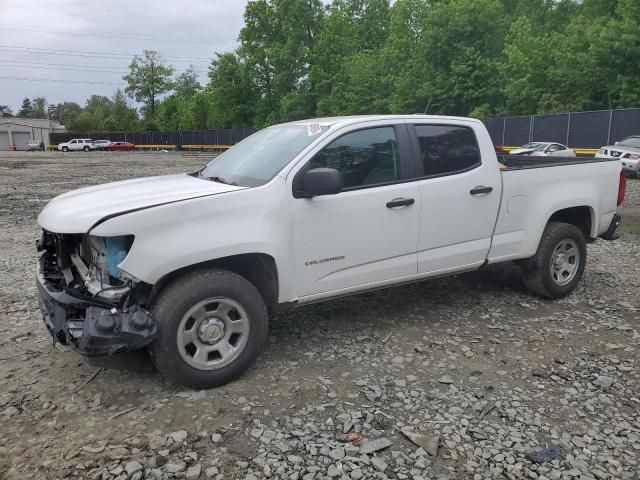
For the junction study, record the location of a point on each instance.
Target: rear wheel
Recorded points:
(211, 327)
(86, 149)
(557, 267)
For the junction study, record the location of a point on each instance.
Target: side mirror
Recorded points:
(322, 181)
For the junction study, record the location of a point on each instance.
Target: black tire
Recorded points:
(86, 149)
(537, 270)
(65, 149)
(173, 303)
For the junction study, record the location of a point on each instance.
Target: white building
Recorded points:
(20, 131)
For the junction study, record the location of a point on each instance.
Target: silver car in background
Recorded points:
(627, 150)
(101, 144)
(544, 149)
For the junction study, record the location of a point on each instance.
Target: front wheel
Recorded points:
(211, 327)
(557, 267)
(65, 149)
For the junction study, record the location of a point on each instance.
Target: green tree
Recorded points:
(148, 78)
(304, 58)
(199, 108)
(232, 94)
(25, 109)
(119, 115)
(65, 112)
(275, 45)
(100, 114)
(5, 111)
(525, 70)
(346, 75)
(459, 52)
(186, 84)
(404, 66)
(92, 117)
(39, 108)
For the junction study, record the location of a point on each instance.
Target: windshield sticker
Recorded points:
(313, 129)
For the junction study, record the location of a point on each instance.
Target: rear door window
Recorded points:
(446, 149)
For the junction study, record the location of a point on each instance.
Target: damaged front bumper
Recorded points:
(89, 326)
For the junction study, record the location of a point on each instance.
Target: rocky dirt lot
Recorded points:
(461, 378)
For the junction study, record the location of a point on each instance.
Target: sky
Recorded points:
(70, 42)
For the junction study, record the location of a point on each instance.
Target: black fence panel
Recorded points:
(496, 130)
(589, 129)
(581, 130)
(211, 137)
(224, 137)
(517, 130)
(188, 137)
(154, 138)
(117, 136)
(199, 137)
(624, 123)
(550, 128)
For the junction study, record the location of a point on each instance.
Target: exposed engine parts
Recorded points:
(87, 301)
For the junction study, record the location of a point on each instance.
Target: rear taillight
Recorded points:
(622, 187)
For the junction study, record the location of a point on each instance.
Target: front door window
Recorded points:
(365, 157)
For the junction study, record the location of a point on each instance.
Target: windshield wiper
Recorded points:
(222, 180)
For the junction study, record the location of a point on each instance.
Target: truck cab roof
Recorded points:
(354, 119)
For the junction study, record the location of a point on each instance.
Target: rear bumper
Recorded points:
(88, 326)
(612, 232)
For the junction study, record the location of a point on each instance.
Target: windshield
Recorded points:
(258, 158)
(535, 146)
(631, 142)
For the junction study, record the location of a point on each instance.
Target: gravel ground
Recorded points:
(468, 377)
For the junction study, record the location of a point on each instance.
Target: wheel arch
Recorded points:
(259, 269)
(582, 217)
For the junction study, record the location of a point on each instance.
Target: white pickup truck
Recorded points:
(190, 265)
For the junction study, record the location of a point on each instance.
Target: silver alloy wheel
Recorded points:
(213, 333)
(565, 261)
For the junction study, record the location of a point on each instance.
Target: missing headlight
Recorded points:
(103, 256)
(117, 249)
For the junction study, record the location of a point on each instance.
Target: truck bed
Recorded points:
(519, 162)
(534, 188)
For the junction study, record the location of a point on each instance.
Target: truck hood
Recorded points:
(79, 210)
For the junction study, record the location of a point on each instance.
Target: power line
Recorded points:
(118, 72)
(61, 64)
(102, 35)
(82, 53)
(27, 79)
(72, 69)
(64, 67)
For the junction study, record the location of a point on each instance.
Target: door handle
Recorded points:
(400, 202)
(481, 190)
